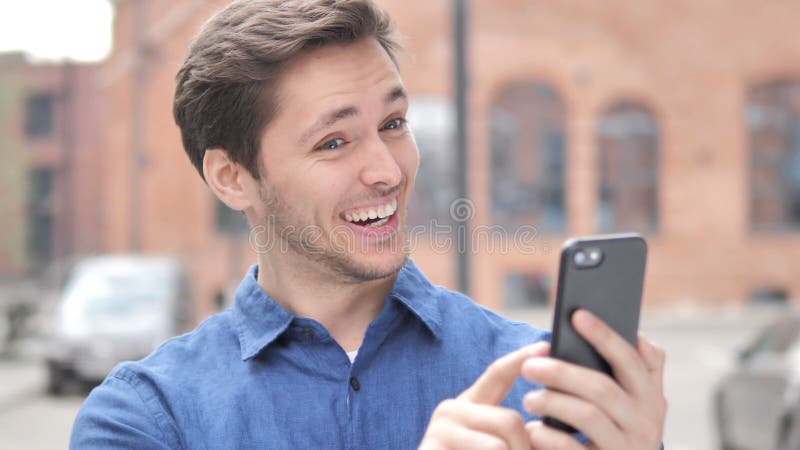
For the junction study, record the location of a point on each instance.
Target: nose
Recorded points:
(380, 167)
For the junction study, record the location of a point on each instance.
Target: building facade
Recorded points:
(50, 202)
(678, 120)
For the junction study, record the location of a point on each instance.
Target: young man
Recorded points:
(294, 113)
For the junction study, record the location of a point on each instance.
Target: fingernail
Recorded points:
(536, 365)
(531, 399)
(534, 395)
(536, 347)
(584, 318)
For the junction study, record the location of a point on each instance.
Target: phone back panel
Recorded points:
(611, 290)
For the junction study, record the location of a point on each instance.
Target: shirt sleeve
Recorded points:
(115, 416)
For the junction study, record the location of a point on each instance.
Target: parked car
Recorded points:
(115, 308)
(757, 405)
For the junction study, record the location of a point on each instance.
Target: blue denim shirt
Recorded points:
(256, 376)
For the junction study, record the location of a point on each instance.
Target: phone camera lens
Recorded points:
(580, 258)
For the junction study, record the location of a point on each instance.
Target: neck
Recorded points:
(304, 288)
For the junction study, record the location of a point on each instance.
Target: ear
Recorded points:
(227, 179)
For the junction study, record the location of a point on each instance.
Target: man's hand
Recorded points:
(624, 414)
(474, 420)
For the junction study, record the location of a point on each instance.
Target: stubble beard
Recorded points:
(286, 226)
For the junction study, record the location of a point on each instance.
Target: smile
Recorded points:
(373, 216)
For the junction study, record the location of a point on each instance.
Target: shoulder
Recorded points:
(117, 415)
(462, 316)
(132, 407)
(454, 316)
(216, 336)
(183, 362)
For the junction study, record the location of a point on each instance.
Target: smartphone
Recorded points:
(605, 275)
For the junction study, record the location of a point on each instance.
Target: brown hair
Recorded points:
(226, 87)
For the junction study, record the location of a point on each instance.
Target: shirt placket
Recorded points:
(325, 354)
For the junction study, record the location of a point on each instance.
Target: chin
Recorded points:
(376, 266)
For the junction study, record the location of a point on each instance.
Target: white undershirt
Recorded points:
(352, 355)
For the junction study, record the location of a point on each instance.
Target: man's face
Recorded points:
(338, 152)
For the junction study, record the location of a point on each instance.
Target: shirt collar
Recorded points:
(260, 319)
(413, 290)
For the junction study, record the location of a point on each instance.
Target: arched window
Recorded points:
(528, 158)
(773, 125)
(628, 161)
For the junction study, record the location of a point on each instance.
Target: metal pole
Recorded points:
(462, 154)
(69, 111)
(137, 125)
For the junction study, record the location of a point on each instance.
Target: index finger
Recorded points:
(495, 382)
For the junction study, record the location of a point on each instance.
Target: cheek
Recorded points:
(260, 197)
(325, 197)
(409, 162)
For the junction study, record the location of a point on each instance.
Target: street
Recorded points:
(30, 419)
(700, 348)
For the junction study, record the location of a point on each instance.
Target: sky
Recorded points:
(79, 30)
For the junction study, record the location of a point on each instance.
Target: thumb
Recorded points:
(495, 382)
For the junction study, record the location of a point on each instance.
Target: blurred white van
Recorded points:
(115, 308)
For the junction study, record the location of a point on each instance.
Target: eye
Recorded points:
(395, 124)
(332, 144)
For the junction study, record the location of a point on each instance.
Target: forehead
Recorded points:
(319, 77)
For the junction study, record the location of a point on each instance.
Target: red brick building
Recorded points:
(680, 120)
(50, 192)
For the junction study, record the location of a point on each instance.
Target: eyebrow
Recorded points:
(329, 119)
(396, 94)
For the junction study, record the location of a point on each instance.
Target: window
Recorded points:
(228, 221)
(628, 154)
(528, 158)
(39, 116)
(432, 122)
(40, 217)
(773, 123)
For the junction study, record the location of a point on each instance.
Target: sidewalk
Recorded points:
(20, 381)
(676, 316)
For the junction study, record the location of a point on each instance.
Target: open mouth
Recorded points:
(372, 217)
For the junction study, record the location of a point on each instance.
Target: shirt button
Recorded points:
(355, 384)
(308, 333)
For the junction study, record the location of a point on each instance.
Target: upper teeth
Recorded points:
(380, 212)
